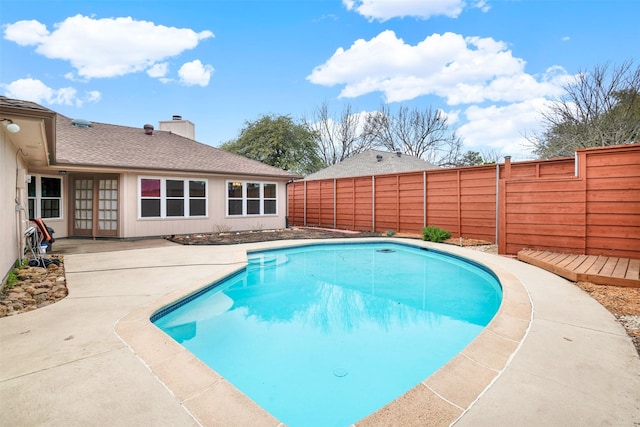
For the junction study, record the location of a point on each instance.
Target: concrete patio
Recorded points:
(70, 363)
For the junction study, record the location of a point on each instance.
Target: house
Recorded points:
(102, 180)
(372, 162)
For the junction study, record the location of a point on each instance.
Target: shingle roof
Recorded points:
(368, 163)
(106, 145)
(22, 105)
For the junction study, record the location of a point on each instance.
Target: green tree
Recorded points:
(597, 109)
(278, 141)
(471, 158)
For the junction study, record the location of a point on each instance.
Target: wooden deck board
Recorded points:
(588, 262)
(566, 261)
(555, 260)
(633, 272)
(609, 266)
(621, 268)
(597, 266)
(574, 265)
(600, 270)
(556, 257)
(545, 254)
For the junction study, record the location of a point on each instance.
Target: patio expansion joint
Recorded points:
(70, 362)
(587, 328)
(144, 267)
(551, 379)
(89, 297)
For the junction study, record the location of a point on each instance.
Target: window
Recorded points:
(170, 198)
(45, 197)
(251, 198)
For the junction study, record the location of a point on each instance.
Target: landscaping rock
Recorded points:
(36, 287)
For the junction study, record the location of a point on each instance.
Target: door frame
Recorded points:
(95, 232)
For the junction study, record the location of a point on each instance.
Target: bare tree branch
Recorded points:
(599, 108)
(337, 138)
(421, 133)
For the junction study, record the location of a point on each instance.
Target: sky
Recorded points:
(490, 65)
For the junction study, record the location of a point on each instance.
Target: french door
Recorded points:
(95, 205)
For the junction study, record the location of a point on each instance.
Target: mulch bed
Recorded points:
(229, 238)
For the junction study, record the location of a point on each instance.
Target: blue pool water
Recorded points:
(323, 335)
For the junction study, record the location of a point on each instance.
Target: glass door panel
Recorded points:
(95, 206)
(83, 212)
(108, 205)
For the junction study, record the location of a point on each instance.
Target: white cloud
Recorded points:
(158, 70)
(36, 91)
(26, 33)
(94, 96)
(482, 5)
(383, 10)
(460, 69)
(497, 102)
(65, 96)
(29, 90)
(106, 47)
(503, 128)
(195, 73)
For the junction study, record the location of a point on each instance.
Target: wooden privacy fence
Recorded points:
(589, 204)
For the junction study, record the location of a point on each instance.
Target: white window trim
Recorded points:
(245, 198)
(164, 198)
(38, 198)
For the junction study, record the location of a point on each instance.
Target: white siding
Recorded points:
(12, 222)
(133, 226)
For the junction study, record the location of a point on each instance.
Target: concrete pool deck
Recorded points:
(93, 358)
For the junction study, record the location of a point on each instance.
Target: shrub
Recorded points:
(390, 233)
(435, 234)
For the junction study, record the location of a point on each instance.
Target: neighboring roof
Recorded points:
(113, 146)
(372, 162)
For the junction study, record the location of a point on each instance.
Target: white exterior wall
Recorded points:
(132, 226)
(12, 222)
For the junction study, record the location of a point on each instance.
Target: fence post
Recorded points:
(304, 203)
(335, 196)
(353, 203)
(459, 204)
(507, 167)
(497, 199)
(502, 209)
(373, 203)
(581, 174)
(398, 203)
(424, 198)
(502, 218)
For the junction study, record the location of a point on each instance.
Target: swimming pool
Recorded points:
(326, 334)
